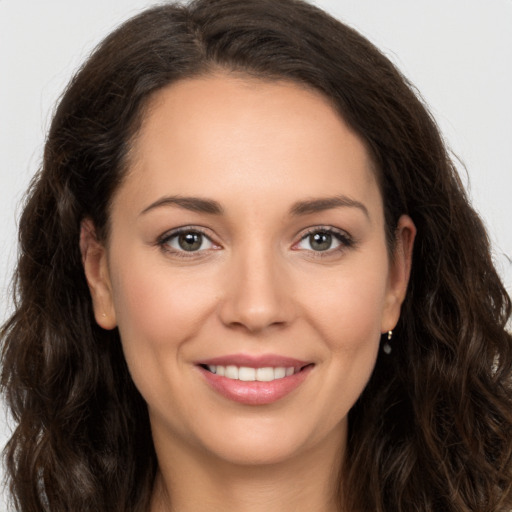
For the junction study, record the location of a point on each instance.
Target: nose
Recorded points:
(258, 293)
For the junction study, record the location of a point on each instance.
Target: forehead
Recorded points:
(221, 133)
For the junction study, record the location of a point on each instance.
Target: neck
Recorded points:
(195, 482)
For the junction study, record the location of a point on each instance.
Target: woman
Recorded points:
(250, 279)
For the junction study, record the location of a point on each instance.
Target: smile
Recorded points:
(247, 374)
(254, 380)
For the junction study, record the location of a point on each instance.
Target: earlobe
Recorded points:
(94, 260)
(399, 272)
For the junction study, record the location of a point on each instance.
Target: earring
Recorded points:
(386, 348)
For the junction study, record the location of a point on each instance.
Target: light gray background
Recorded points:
(457, 52)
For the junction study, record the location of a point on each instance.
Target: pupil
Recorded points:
(190, 241)
(320, 241)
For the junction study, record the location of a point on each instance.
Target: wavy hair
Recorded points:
(432, 431)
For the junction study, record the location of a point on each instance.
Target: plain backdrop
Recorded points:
(458, 53)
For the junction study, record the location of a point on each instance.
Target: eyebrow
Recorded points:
(194, 204)
(326, 203)
(200, 205)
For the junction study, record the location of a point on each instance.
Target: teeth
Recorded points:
(279, 373)
(265, 374)
(247, 374)
(231, 372)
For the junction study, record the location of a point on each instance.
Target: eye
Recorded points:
(188, 240)
(324, 240)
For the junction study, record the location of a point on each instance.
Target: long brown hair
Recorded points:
(433, 429)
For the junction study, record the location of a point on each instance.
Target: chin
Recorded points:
(257, 452)
(265, 442)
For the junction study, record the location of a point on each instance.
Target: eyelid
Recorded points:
(345, 239)
(163, 241)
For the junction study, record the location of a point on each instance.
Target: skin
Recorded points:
(257, 285)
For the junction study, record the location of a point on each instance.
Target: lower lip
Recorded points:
(255, 392)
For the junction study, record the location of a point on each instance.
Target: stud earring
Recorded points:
(386, 348)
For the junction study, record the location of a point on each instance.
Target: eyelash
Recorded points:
(344, 239)
(163, 241)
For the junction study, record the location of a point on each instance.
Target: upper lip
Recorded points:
(254, 361)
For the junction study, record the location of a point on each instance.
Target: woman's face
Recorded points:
(248, 240)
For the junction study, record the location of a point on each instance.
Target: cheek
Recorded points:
(342, 312)
(348, 306)
(158, 311)
(157, 307)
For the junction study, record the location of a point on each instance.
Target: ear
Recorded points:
(94, 260)
(399, 272)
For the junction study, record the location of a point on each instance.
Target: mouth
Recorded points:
(250, 374)
(254, 380)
